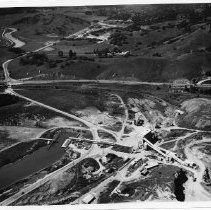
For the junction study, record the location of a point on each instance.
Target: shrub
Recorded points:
(72, 54)
(34, 58)
(157, 54)
(117, 38)
(60, 53)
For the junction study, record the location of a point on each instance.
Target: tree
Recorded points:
(194, 17)
(88, 12)
(137, 18)
(22, 61)
(156, 54)
(60, 53)
(206, 175)
(116, 50)
(72, 54)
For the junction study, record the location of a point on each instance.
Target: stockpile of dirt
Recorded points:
(197, 114)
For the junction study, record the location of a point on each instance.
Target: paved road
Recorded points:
(93, 81)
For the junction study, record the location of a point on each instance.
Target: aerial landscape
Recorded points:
(105, 104)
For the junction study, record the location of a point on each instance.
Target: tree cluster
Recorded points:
(156, 54)
(120, 16)
(34, 59)
(118, 39)
(106, 51)
(72, 54)
(16, 50)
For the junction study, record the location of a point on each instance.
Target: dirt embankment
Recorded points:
(197, 114)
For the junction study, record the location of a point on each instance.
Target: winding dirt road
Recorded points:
(17, 43)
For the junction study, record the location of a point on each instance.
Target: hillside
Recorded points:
(59, 24)
(133, 68)
(197, 114)
(158, 69)
(165, 42)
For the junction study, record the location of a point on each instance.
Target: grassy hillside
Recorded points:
(158, 69)
(59, 24)
(135, 68)
(167, 42)
(35, 27)
(132, 68)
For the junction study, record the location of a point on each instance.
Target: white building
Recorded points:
(66, 143)
(89, 198)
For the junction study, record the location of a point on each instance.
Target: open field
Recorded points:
(26, 114)
(67, 100)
